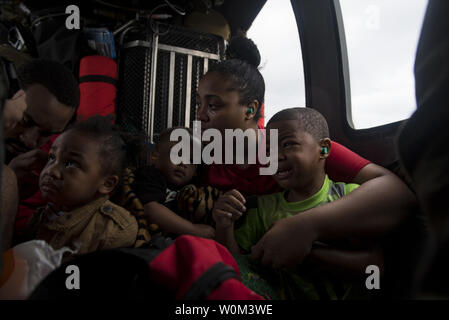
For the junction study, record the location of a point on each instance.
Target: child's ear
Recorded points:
(325, 148)
(108, 185)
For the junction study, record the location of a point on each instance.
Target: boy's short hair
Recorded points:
(309, 120)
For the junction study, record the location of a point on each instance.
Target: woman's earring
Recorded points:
(250, 110)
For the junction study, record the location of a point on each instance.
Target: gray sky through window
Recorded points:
(381, 38)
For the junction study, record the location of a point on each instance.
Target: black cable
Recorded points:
(152, 25)
(176, 8)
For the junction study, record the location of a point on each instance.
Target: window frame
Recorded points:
(327, 81)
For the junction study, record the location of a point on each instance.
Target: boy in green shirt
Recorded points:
(303, 146)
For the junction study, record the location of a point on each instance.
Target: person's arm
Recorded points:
(371, 211)
(150, 187)
(26, 167)
(13, 110)
(170, 222)
(9, 205)
(374, 209)
(225, 236)
(386, 197)
(350, 264)
(228, 208)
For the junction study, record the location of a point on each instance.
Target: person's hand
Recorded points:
(27, 166)
(13, 111)
(203, 231)
(228, 208)
(286, 243)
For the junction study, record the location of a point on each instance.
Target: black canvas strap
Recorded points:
(98, 78)
(210, 280)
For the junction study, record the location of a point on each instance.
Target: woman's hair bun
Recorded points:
(242, 48)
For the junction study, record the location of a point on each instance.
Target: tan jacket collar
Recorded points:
(76, 216)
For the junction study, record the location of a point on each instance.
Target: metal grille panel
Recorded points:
(181, 59)
(130, 108)
(189, 39)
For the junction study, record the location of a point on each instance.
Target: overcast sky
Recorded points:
(381, 37)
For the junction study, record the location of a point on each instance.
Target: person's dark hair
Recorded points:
(164, 136)
(242, 61)
(118, 149)
(54, 76)
(309, 120)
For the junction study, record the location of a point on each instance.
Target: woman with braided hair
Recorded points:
(230, 96)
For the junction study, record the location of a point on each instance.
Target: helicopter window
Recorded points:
(381, 40)
(275, 33)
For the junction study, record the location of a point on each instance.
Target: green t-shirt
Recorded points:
(274, 207)
(302, 284)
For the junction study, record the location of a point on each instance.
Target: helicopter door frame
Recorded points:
(327, 82)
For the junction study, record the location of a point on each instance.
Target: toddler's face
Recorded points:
(73, 175)
(298, 155)
(176, 175)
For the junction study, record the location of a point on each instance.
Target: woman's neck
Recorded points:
(252, 141)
